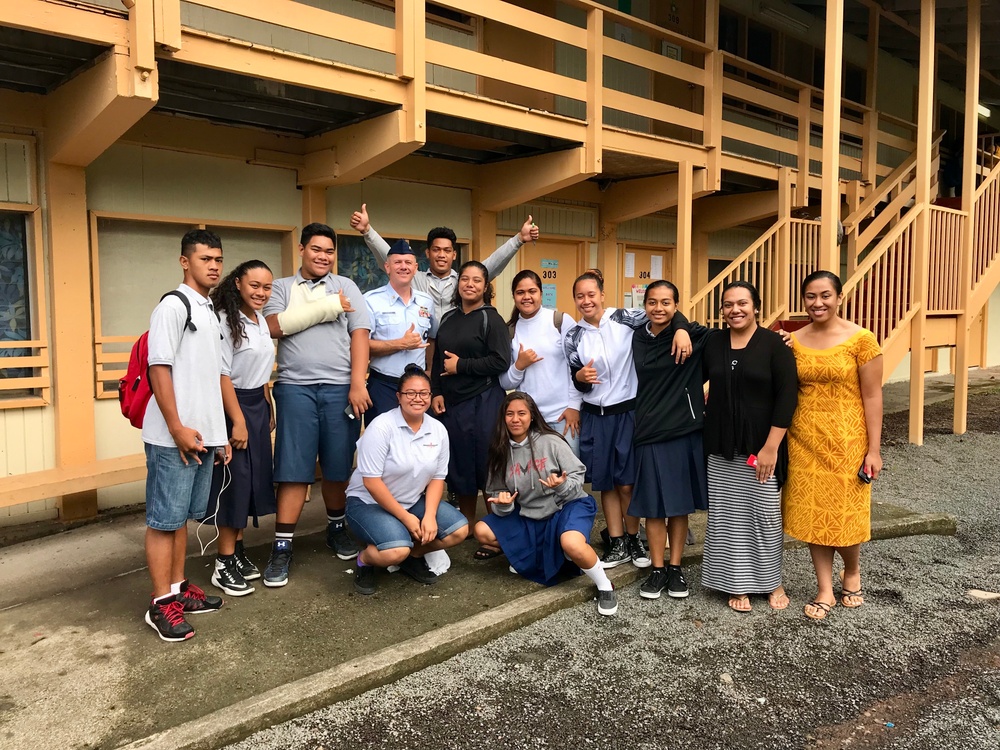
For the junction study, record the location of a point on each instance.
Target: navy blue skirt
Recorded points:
(670, 478)
(532, 546)
(250, 492)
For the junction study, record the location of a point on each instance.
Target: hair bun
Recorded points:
(597, 272)
(412, 369)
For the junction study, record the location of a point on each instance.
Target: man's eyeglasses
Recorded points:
(415, 394)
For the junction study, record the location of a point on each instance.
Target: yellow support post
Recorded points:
(684, 250)
(829, 250)
(921, 245)
(966, 318)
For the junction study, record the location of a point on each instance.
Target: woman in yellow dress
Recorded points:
(833, 441)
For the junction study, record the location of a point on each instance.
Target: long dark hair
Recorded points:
(499, 453)
(456, 298)
(226, 298)
(520, 276)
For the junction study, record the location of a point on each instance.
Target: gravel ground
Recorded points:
(917, 667)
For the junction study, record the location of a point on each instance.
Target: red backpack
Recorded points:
(134, 390)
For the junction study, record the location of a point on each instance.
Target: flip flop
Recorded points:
(486, 553)
(823, 607)
(772, 597)
(845, 594)
(740, 598)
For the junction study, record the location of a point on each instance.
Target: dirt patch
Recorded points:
(984, 417)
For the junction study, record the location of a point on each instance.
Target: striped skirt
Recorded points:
(744, 539)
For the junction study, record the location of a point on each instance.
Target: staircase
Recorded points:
(882, 257)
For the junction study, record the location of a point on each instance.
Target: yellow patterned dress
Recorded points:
(823, 501)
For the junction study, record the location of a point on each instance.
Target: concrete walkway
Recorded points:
(81, 669)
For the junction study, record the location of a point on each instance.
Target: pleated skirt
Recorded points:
(744, 538)
(669, 478)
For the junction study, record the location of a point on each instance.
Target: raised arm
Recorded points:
(374, 241)
(499, 258)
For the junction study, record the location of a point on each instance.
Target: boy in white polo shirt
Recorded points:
(184, 431)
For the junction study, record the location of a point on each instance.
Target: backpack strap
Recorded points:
(557, 319)
(188, 324)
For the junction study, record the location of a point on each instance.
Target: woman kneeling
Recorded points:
(541, 516)
(394, 498)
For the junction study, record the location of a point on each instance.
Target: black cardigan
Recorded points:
(743, 404)
(481, 341)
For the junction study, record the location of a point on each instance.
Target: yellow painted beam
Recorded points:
(630, 199)
(684, 252)
(480, 109)
(358, 151)
(429, 171)
(960, 419)
(72, 328)
(595, 91)
(484, 229)
(94, 25)
(247, 59)
(607, 260)
(509, 183)
(41, 485)
(829, 250)
(210, 138)
(167, 24)
(718, 212)
(92, 111)
(921, 248)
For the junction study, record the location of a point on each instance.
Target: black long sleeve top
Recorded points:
(481, 342)
(746, 401)
(669, 398)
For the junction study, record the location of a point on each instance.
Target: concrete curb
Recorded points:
(233, 723)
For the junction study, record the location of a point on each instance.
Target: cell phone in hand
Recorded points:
(866, 478)
(752, 460)
(349, 412)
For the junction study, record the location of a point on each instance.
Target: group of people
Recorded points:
(524, 411)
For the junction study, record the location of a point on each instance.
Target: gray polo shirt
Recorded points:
(195, 361)
(320, 354)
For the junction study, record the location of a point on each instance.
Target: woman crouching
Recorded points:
(394, 502)
(541, 516)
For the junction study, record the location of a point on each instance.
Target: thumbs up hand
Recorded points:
(412, 340)
(529, 232)
(359, 219)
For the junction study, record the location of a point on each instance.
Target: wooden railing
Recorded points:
(804, 242)
(760, 265)
(988, 153)
(879, 295)
(947, 228)
(986, 210)
(25, 377)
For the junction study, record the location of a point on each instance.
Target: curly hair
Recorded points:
(226, 298)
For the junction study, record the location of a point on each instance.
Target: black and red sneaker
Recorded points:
(166, 617)
(195, 601)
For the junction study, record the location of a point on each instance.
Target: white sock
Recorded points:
(599, 577)
(175, 588)
(159, 599)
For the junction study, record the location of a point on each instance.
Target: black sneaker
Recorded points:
(247, 569)
(364, 579)
(416, 568)
(166, 617)
(617, 554)
(227, 577)
(276, 572)
(607, 602)
(339, 540)
(677, 585)
(195, 601)
(605, 540)
(653, 585)
(637, 551)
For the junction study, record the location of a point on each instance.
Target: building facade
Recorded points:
(697, 141)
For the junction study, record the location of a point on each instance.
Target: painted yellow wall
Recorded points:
(401, 208)
(145, 180)
(15, 186)
(27, 443)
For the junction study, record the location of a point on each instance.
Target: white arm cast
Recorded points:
(310, 313)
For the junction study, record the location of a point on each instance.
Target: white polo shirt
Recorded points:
(250, 366)
(195, 361)
(406, 461)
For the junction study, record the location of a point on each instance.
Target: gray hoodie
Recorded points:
(526, 464)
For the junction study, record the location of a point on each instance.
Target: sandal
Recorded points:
(845, 595)
(486, 553)
(778, 601)
(742, 599)
(823, 607)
